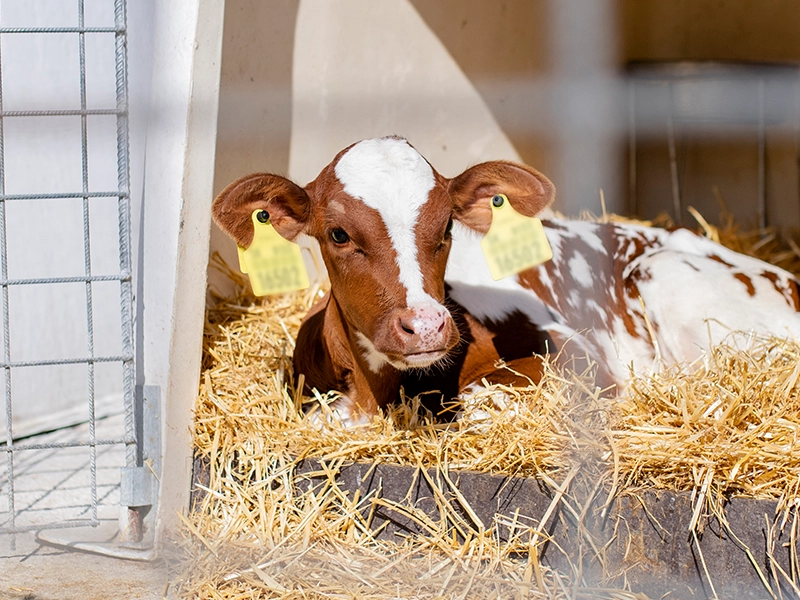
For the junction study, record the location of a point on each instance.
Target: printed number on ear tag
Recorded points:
(274, 264)
(514, 242)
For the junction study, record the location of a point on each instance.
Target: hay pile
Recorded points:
(729, 427)
(732, 425)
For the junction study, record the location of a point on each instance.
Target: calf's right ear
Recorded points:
(287, 203)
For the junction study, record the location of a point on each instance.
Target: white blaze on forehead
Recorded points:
(391, 177)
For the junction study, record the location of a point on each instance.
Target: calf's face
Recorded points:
(382, 216)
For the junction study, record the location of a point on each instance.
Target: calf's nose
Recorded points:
(422, 328)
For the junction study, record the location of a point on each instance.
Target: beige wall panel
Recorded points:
(782, 178)
(502, 46)
(366, 69)
(255, 103)
(710, 169)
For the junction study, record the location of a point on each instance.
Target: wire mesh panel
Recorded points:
(65, 263)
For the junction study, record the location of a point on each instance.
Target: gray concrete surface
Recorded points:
(38, 572)
(51, 485)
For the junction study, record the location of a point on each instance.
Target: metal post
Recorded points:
(133, 454)
(6, 335)
(87, 259)
(762, 160)
(673, 163)
(633, 199)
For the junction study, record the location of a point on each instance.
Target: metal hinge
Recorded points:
(132, 536)
(137, 487)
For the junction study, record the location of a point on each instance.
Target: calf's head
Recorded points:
(382, 216)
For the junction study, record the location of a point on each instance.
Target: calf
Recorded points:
(412, 302)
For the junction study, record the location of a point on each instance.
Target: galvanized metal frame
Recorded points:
(122, 193)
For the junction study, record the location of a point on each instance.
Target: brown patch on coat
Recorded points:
(748, 283)
(720, 260)
(790, 292)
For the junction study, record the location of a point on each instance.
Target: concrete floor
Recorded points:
(38, 572)
(52, 486)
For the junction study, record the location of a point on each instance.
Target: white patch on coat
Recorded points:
(580, 271)
(391, 177)
(472, 286)
(340, 412)
(711, 302)
(592, 305)
(375, 360)
(586, 231)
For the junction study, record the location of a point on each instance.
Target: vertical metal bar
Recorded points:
(87, 260)
(6, 334)
(673, 162)
(133, 451)
(633, 199)
(762, 160)
(797, 131)
(126, 291)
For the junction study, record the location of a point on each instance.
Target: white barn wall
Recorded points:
(367, 69)
(178, 189)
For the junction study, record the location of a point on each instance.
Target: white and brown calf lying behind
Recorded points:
(412, 302)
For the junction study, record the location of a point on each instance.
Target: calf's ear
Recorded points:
(471, 192)
(286, 202)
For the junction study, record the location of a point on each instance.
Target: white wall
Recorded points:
(177, 189)
(367, 69)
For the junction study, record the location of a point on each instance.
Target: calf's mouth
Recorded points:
(422, 360)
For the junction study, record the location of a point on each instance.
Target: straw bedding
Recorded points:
(728, 427)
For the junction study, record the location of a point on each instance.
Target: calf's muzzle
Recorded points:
(417, 337)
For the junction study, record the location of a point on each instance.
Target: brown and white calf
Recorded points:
(412, 302)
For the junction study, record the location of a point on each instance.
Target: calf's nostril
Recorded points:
(441, 326)
(407, 326)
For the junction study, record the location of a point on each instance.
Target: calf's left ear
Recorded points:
(529, 192)
(286, 202)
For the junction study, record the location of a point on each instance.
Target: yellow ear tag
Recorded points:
(514, 242)
(274, 264)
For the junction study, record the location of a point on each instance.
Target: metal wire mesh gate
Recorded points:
(105, 364)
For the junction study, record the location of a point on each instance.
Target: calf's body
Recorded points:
(412, 302)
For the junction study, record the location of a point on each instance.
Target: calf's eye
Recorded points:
(446, 236)
(339, 236)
